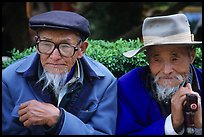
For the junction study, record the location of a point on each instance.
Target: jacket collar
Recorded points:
(90, 68)
(29, 65)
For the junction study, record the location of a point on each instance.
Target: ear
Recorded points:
(193, 55)
(82, 49)
(36, 38)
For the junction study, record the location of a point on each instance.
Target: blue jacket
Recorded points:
(98, 115)
(138, 113)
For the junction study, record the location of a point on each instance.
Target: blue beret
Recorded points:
(61, 20)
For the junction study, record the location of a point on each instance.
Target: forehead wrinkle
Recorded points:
(158, 52)
(65, 40)
(57, 33)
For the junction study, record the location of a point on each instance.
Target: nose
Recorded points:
(55, 55)
(167, 68)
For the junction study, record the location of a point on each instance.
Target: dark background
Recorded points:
(108, 20)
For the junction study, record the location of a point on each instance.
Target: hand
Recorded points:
(177, 104)
(198, 113)
(34, 112)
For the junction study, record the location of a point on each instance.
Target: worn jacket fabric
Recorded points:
(139, 114)
(97, 116)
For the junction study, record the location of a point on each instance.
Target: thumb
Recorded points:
(188, 85)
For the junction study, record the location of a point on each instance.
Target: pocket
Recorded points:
(88, 111)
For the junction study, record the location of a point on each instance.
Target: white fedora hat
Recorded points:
(165, 30)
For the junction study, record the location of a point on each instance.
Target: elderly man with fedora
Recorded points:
(59, 90)
(155, 99)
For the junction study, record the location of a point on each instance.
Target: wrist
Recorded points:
(54, 129)
(177, 126)
(54, 118)
(179, 129)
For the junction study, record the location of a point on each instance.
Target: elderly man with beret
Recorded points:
(164, 97)
(58, 89)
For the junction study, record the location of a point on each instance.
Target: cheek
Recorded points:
(70, 62)
(43, 59)
(178, 67)
(181, 68)
(78, 54)
(173, 79)
(155, 69)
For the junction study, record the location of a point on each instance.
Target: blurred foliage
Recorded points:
(198, 59)
(16, 55)
(109, 54)
(108, 20)
(111, 19)
(114, 20)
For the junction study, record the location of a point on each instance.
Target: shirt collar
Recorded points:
(77, 74)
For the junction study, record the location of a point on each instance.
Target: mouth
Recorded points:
(167, 78)
(55, 68)
(55, 65)
(52, 66)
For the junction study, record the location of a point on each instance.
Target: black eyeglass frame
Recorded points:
(38, 40)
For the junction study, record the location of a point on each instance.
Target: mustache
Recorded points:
(164, 91)
(178, 77)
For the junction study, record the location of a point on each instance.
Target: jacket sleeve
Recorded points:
(10, 119)
(129, 125)
(137, 114)
(102, 121)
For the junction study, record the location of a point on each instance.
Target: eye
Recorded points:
(65, 46)
(174, 59)
(156, 59)
(46, 43)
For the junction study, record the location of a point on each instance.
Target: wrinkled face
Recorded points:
(170, 64)
(55, 63)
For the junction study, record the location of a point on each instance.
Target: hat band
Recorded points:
(180, 38)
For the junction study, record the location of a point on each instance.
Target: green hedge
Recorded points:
(109, 54)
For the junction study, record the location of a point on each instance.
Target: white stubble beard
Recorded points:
(56, 81)
(165, 91)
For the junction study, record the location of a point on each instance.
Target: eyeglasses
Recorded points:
(47, 47)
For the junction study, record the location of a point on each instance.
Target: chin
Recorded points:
(169, 83)
(56, 70)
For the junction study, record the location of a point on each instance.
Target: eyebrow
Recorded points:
(64, 40)
(46, 38)
(155, 55)
(174, 54)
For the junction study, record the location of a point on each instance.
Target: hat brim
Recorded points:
(131, 53)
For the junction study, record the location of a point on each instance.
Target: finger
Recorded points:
(178, 99)
(181, 92)
(188, 85)
(198, 96)
(23, 105)
(33, 121)
(27, 123)
(22, 112)
(23, 118)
